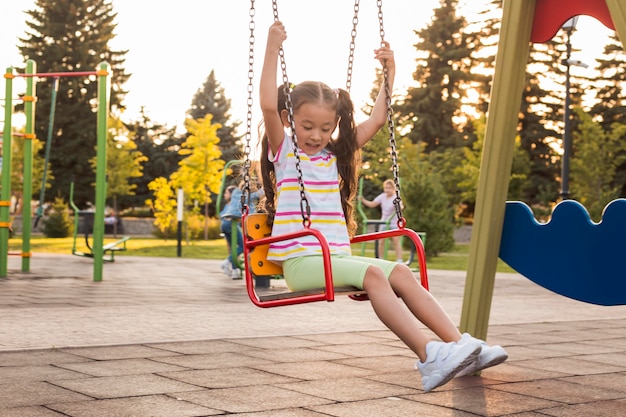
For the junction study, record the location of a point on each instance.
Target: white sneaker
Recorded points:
(445, 360)
(226, 267)
(235, 273)
(488, 356)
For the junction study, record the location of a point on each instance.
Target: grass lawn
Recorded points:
(456, 260)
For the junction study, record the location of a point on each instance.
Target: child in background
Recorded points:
(388, 215)
(329, 163)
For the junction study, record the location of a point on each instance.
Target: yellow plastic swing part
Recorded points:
(256, 227)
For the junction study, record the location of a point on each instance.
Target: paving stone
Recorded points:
(147, 406)
(119, 367)
(251, 399)
(348, 389)
(38, 357)
(595, 409)
(201, 346)
(35, 393)
(125, 386)
(104, 353)
(227, 377)
(35, 373)
(483, 401)
(313, 370)
(213, 361)
(560, 390)
(389, 407)
(28, 412)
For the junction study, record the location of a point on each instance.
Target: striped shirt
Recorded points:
(321, 185)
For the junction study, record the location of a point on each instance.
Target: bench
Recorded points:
(114, 247)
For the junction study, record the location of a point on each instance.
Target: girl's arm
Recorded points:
(268, 90)
(369, 203)
(378, 118)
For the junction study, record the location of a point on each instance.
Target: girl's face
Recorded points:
(389, 189)
(315, 124)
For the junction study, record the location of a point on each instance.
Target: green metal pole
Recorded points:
(5, 192)
(27, 194)
(104, 89)
(495, 167)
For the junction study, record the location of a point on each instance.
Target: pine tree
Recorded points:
(70, 36)
(211, 99)
(429, 111)
(611, 106)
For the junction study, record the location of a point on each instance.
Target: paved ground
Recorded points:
(169, 337)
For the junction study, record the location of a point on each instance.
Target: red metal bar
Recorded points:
(328, 295)
(411, 234)
(59, 74)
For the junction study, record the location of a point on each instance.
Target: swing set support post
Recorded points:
(5, 192)
(104, 89)
(27, 193)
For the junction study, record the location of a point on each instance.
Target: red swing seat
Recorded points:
(257, 238)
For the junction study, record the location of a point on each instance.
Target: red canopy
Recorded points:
(550, 15)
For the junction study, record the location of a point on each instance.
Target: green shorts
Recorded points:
(307, 272)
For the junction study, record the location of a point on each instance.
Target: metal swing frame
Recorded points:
(257, 234)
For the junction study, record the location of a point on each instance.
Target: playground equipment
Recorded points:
(256, 231)
(87, 217)
(522, 22)
(103, 76)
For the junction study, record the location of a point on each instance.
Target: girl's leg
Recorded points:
(391, 311)
(422, 304)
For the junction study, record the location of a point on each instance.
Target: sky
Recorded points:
(174, 45)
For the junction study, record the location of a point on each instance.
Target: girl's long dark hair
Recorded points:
(345, 146)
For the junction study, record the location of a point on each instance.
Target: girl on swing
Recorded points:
(329, 170)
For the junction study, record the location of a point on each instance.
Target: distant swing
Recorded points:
(256, 231)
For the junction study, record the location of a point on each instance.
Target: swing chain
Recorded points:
(397, 202)
(305, 208)
(245, 193)
(355, 21)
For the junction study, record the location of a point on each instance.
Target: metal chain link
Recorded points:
(305, 208)
(397, 202)
(245, 193)
(355, 21)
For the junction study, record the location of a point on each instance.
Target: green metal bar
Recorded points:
(73, 206)
(234, 228)
(104, 81)
(359, 209)
(218, 204)
(495, 168)
(5, 192)
(42, 192)
(27, 193)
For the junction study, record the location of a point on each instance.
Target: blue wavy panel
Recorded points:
(569, 255)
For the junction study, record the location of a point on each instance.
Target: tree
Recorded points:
(200, 173)
(160, 145)
(427, 206)
(211, 99)
(69, 36)
(596, 156)
(123, 163)
(431, 111)
(611, 105)
(163, 204)
(17, 169)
